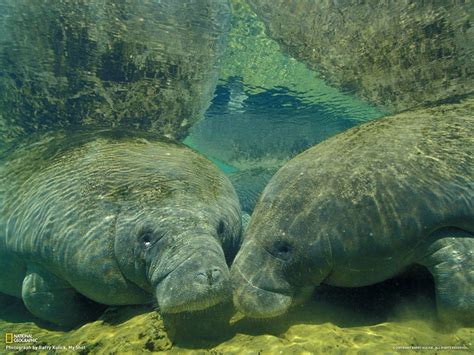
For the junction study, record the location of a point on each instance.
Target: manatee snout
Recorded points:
(195, 278)
(211, 277)
(257, 302)
(259, 287)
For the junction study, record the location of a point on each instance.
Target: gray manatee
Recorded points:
(364, 206)
(118, 218)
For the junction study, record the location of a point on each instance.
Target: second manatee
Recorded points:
(365, 206)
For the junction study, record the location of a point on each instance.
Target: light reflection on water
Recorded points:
(148, 65)
(264, 129)
(268, 107)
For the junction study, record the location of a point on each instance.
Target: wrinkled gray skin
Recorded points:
(364, 206)
(115, 218)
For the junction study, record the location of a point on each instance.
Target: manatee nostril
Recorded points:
(210, 277)
(215, 276)
(202, 277)
(221, 228)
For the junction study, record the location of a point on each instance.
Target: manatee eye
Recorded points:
(146, 237)
(282, 250)
(221, 227)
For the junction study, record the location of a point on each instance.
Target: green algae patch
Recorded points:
(125, 329)
(366, 320)
(325, 327)
(394, 317)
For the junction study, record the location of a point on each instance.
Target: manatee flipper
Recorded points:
(52, 299)
(450, 260)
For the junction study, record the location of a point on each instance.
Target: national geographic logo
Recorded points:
(11, 338)
(25, 342)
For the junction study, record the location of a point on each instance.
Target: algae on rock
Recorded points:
(377, 319)
(133, 329)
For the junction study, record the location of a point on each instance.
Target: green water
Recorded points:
(220, 164)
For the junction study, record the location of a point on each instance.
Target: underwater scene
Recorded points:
(236, 176)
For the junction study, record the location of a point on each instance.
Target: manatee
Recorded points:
(363, 207)
(114, 218)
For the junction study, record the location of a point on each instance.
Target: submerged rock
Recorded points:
(128, 329)
(150, 65)
(397, 55)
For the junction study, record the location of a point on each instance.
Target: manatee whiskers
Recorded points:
(199, 303)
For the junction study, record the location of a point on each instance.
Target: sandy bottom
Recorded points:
(394, 317)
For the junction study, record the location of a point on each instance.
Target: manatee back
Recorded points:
(408, 53)
(379, 187)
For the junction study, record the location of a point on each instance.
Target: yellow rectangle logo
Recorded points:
(8, 338)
